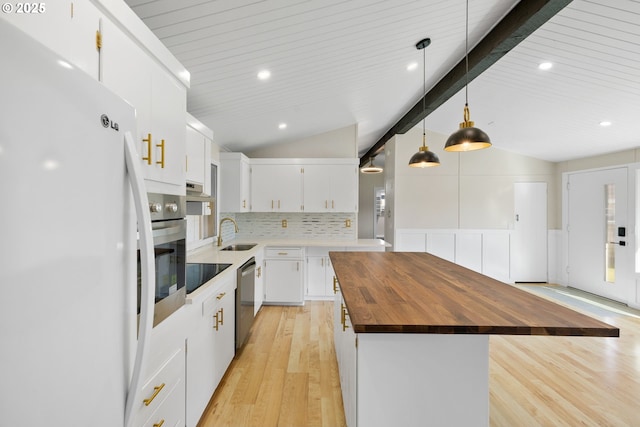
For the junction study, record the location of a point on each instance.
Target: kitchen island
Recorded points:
(413, 337)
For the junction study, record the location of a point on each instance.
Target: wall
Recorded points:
(471, 190)
(341, 143)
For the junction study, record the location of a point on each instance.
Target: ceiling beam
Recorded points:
(525, 17)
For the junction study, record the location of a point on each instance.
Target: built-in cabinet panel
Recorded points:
(284, 276)
(210, 344)
(346, 347)
(259, 281)
(484, 251)
(69, 28)
(276, 188)
(160, 102)
(330, 188)
(288, 185)
(320, 274)
(235, 182)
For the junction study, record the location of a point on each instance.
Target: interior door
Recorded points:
(599, 259)
(529, 250)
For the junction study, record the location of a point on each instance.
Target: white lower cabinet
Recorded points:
(210, 345)
(346, 352)
(320, 273)
(284, 276)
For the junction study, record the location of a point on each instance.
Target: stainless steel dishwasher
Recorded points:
(245, 300)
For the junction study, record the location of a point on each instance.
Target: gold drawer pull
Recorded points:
(161, 162)
(156, 390)
(335, 285)
(220, 296)
(215, 316)
(283, 253)
(159, 424)
(222, 316)
(148, 141)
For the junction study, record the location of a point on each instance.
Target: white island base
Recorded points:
(415, 379)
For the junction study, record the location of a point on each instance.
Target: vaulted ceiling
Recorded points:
(339, 62)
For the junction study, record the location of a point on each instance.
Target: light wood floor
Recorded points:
(287, 375)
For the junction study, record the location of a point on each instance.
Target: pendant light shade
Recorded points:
(424, 158)
(468, 137)
(371, 168)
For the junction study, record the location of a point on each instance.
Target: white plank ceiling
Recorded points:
(334, 63)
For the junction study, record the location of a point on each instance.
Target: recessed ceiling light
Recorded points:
(264, 74)
(412, 66)
(282, 126)
(605, 123)
(545, 65)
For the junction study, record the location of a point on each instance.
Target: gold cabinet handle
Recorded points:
(220, 296)
(156, 390)
(215, 316)
(333, 204)
(272, 204)
(326, 204)
(244, 204)
(259, 271)
(278, 204)
(222, 316)
(148, 141)
(159, 424)
(161, 145)
(344, 317)
(335, 285)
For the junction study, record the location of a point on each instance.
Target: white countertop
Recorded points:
(212, 254)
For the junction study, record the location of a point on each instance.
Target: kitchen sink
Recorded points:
(239, 247)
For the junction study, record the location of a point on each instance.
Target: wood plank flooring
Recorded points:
(287, 376)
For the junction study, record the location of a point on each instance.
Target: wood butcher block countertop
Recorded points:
(408, 292)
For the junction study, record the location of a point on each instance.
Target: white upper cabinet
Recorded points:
(68, 28)
(160, 101)
(330, 188)
(235, 182)
(276, 188)
(198, 159)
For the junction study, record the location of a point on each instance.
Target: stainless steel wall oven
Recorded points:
(169, 228)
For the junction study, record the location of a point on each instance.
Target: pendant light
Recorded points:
(371, 168)
(468, 137)
(424, 158)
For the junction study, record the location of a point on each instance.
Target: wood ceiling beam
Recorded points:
(525, 17)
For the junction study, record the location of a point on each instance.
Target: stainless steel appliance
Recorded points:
(169, 228)
(245, 301)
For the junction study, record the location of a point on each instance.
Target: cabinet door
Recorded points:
(235, 183)
(316, 280)
(168, 106)
(276, 188)
(225, 335)
(195, 163)
(283, 281)
(344, 188)
(316, 188)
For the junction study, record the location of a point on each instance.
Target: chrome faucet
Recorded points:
(220, 228)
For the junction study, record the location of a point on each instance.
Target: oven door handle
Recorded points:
(147, 267)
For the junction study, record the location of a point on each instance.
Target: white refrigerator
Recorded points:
(69, 350)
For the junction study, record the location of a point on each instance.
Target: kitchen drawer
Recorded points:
(284, 253)
(210, 304)
(171, 411)
(162, 383)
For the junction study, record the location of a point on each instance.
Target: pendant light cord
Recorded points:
(466, 57)
(424, 94)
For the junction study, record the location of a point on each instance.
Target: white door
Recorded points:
(529, 250)
(597, 216)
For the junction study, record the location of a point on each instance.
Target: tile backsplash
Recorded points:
(339, 226)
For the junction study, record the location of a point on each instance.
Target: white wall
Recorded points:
(471, 190)
(341, 143)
